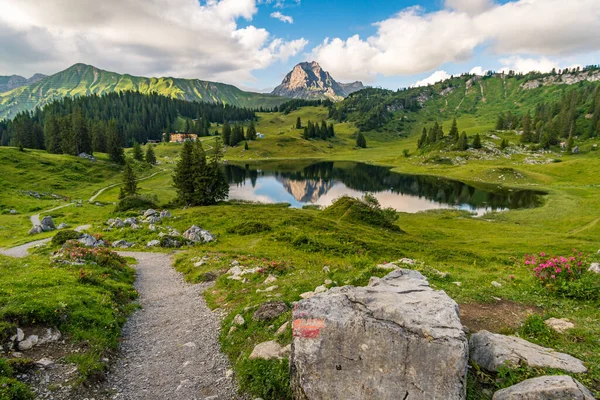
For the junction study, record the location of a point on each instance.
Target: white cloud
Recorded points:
(283, 18)
(523, 65)
(437, 76)
(414, 41)
(478, 71)
(183, 38)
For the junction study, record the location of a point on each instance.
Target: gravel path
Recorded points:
(170, 349)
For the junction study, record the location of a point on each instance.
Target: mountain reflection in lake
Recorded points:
(323, 182)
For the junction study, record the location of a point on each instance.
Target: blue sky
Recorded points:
(388, 43)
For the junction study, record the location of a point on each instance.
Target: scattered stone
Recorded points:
(229, 373)
(269, 289)
(153, 219)
(236, 263)
(270, 279)
(282, 329)
(152, 227)
(327, 270)
(25, 345)
(270, 350)
(90, 241)
(560, 325)
(270, 310)
(36, 229)
(20, 334)
(153, 243)
(496, 284)
(307, 295)
(239, 320)
(328, 282)
(87, 156)
(165, 214)
(545, 388)
(388, 266)
(47, 221)
(459, 284)
(407, 261)
(63, 226)
(44, 363)
(150, 212)
(130, 221)
(320, 289)
(13, 212)
(395, 339)
(198, 235)
(199, 263)
(595, 267)
(122, 244)
(490, 351)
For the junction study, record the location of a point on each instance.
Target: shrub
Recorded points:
(63, 236)
(5, 368)
(74, 251)
(366, 210)
(11, 389)
(249, 228)
(567, 276)
(136, 203)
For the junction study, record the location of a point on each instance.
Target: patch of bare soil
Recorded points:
(499, 317)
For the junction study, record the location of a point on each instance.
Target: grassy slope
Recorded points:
(81, 79)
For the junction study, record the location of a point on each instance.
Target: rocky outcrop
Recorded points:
(11, 82)
(309, 81)
(90, 241)
(491, 350)
(395, 339)
(562, 79)
(198, 235)
(545, 388)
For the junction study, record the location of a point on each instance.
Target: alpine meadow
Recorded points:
(408, 208)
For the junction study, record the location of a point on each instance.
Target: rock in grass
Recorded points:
(153, 243)
(545, 388)
(149, 212)
(270, 350)
(270, 310)
(282, 328)
(122, 244)
(36, 229)
(560, 325)
(198, 235)
(595, 267)
(397, 338)
(239, 320)
(47, 221)
(491, 350)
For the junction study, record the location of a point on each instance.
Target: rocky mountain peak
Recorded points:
(308, 80)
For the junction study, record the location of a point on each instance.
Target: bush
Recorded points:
(366, 210)
(567, 276)
(11, 389)
(64, 236)
(249, 228)
(5, 368)
(76, 252)
(136, 203)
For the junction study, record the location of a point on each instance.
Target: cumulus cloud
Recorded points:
(183, 38)
(415, 41)
(437, 76)
(283, 18)
(478, 71)
(522, 64)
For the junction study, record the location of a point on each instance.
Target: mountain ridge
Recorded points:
(83, 79)
(10, 82)
(309, 81)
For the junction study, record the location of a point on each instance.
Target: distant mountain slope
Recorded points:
(14, 81)
(310, 82)
(483, 97)
(82, 79)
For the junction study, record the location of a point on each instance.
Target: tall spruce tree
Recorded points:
(150, 156)
(183, 179)
(454, 131)
(113, 143)
(138, 154)
(226, 132)
(422, 142)
(52, 135)
(361, 141)
(477, 142)
(298, 123)
(463, 142)
(251, 132)
(129, 187)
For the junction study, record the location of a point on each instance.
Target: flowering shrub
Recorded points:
(563, 275)
(75, 252)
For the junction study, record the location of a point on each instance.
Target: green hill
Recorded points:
(81, 79)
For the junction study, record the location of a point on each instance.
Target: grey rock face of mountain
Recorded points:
(14, 81)
(310, 82)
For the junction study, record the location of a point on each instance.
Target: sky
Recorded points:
(254, 43)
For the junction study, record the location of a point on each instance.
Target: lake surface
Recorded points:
(323, 182)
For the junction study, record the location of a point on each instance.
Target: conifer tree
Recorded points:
(453, 131)
(226, 132)
(150, 156)
(98, 132)
(52, 135)
(113, 143)
(251, 132)
(361, 141)
(129, 187)
(477, 142)
(298, 123)
(183, 179)
(138, 154)
(503, 144)
(423, 139)
(463, 142)
(245, 145)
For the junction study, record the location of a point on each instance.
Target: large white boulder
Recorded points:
(395, 339)
(545, 388)
(491, 350)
